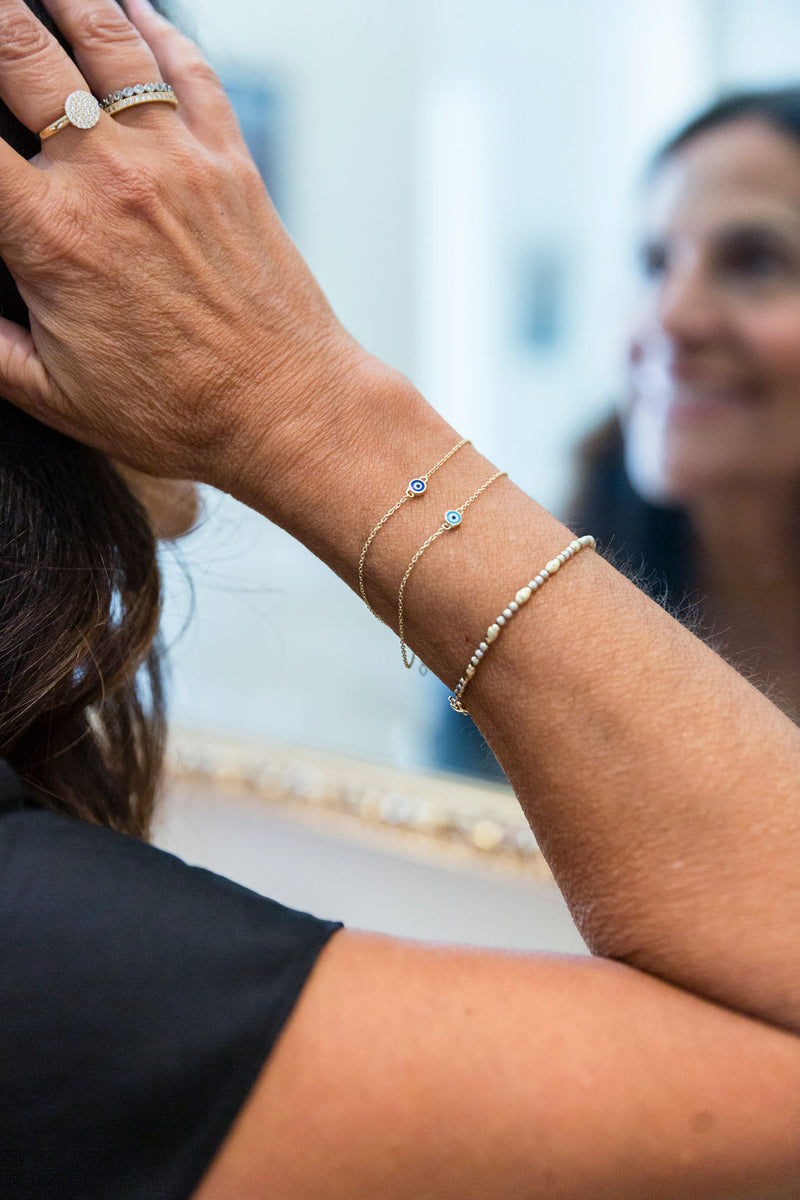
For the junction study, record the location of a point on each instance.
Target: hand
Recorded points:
(167, 302)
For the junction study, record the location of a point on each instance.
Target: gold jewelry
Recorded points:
(452, 520)
(81, 109)
(417, 487)
(142, 93)
(522, 597)
(138, 89)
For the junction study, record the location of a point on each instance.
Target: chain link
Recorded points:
(407, 496)
(409, 662)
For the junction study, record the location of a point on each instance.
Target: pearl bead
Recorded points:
(508, 613)
(492, 633)
(524, 594)
(474, 660)
(588, 540)
(513, 606)
(500, 620)
(479, 654)
(543, 574)
(553, 566)
(575, 546)
(470, 671)
(483, 647)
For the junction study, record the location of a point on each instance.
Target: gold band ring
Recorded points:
(81, 109)
(137, 90)
(142, 93)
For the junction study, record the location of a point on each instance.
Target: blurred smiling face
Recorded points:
(714, 364)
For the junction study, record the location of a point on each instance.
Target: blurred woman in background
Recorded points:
(696, 483)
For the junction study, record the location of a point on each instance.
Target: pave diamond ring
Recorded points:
(80, 109)
(140, 93)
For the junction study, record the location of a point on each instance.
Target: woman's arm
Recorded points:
(175, 327)
(450, 1074)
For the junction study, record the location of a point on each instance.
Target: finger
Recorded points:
(109, 50)
(36, 74)
(204, 106)
(21, 188)
(23, 379)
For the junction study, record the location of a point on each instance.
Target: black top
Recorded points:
(139, 999)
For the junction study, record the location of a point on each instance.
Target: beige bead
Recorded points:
(492, 633)
(486, 835)
(553, 566)
(523, 595)
(470, 671)
(575, 546)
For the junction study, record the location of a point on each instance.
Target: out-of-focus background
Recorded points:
(461, 176)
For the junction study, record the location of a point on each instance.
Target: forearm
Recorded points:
(659, 783)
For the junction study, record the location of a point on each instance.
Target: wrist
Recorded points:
(348, 432)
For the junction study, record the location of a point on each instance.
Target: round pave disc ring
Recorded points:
(81, 109)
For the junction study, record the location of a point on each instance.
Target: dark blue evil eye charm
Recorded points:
(416, 487)
(453, 518)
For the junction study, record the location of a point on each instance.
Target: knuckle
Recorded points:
(139, 191)
(196, 70)
(96, 28)
(245, 172)
(23, 38)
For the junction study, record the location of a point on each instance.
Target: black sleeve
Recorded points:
(139, 999)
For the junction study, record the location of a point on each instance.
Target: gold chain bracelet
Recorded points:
(452, 520)
(417, 487)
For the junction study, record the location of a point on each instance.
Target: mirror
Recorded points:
(462, 179)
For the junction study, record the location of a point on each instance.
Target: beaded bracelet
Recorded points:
(522, 597)
(452, 520)
(417, 487)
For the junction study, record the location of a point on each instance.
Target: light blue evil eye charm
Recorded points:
(416, 487)
(453, 518)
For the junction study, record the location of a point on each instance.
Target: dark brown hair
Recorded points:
(81, 696)
(776, 107)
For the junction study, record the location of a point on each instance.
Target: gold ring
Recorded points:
(81, 109)
(142, 93)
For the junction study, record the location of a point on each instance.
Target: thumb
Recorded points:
(23, 378)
